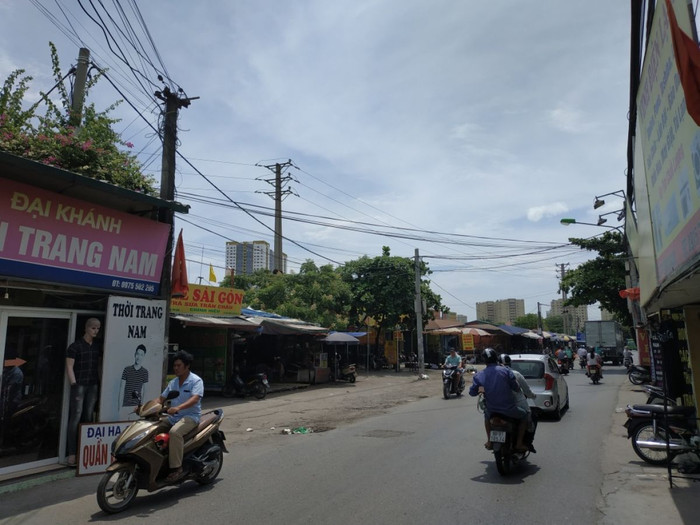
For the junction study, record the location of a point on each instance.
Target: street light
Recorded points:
(620, 216)
(568, 221)
(600, 202)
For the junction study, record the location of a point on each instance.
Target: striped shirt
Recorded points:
(135, 380)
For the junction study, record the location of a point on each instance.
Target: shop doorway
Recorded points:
(32, 386)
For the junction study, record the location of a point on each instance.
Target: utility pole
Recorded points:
(173, 103)
(278, 194)
(562, 269)
(76, 110)
(539, 319)
(419, 318)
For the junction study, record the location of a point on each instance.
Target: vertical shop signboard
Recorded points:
(134, 349)
(657, 360)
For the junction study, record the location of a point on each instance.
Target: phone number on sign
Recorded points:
(131, 285)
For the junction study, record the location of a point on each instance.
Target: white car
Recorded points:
(546, 382)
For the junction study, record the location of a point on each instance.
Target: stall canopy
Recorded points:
(236, 323)
(340, 338)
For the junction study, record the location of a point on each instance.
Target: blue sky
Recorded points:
(490, 119)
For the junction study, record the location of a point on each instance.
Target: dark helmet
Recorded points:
(505, 359)
(490, 356)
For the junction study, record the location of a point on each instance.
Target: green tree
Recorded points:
(93, 149)
(602, 278)
(529, 321)
(383, 288)
(554, 323)
(316, 295)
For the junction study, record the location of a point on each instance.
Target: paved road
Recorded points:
(421, 463)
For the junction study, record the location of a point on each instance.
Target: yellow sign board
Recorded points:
(208, 300)
(467, 342)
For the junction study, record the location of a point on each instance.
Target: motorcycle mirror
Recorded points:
(173, 394)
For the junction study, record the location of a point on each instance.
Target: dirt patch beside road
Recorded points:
(324, 407)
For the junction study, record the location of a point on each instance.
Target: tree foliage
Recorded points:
(383, 288)
(529, 321)
(602, 278)
(92, 149)
(316, 295)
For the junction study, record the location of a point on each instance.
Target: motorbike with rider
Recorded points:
(454, 362)
(594, 364)
(498, 384)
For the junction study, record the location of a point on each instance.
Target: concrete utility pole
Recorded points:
(419, 319)
(173, 103)
(76, 110)
(562, 269)
(278, 195)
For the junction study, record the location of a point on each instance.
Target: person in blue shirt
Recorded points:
(498, 384)
(454, 360)
(185, 410)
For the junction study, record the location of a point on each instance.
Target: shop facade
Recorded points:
(64, 259)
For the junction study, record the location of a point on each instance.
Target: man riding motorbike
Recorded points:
(522, 396)
(454, 360)
(184, 411)
(498, 384)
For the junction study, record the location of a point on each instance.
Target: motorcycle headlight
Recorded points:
(126, 447)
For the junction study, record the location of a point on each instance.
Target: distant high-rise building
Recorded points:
(504, 311)
(576, 316)
(248, 257)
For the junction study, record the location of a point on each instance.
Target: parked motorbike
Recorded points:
(639, 375)
(503, 437)
(660, 433)
(656, 396)
(627, 361)
(345, 373)
(452, 381)
(140, 455)
(257, 385)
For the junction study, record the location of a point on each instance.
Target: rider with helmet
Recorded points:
(522, 396)
(498, 384)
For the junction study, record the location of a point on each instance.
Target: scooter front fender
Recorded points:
(121, 464)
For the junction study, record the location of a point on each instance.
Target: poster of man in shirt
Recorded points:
(133, 357)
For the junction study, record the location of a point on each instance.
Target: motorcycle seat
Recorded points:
(205, 420)
(658, 410)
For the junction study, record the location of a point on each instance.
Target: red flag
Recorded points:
(180, 285)
(687, 54)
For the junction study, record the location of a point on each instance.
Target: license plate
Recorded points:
(498, 436)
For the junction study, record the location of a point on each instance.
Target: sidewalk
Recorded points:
(634, 491)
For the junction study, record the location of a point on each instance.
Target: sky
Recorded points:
(465, 130)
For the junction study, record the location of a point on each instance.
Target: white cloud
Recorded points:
(537, 213)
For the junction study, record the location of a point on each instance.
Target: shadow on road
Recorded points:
(521, 471)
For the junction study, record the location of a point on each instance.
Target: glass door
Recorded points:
(32, 386)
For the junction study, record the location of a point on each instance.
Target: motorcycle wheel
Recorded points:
(446, 390)
(646, 433)
(209, 477)
(117, 490)
(596, 379)
(352, 378)
(503, 462)
(635, 378)
(259, 391)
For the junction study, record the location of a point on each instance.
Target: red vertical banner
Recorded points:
(180, 285)
(643, 347)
